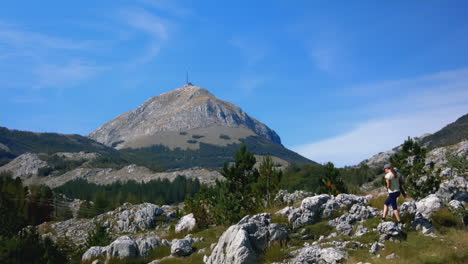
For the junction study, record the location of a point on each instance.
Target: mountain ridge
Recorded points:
(183, 109)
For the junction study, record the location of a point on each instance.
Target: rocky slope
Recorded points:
(141, 231)
(183, 109)
(26, 167)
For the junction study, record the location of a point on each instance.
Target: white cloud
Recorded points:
(153, 26)
(432, 102)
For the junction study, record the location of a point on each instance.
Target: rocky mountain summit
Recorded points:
(183, 109)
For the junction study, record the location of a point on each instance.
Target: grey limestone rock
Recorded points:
(376, 246)
(456, 204)
(358, 212)
(423, 224)
(428, 205)
(453, 189)
(407, 208)
(389, 231)
(122, 247)
(181, 247)
(360, 231)
(289, 198)
(316, 254)
(92, 253)
(245, 241)
(186, 223)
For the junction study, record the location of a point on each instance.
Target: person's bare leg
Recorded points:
(397, 215)
(385, 211)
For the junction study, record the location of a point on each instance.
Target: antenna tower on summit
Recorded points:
(187, 83)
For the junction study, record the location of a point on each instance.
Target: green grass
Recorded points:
(319, 229)
(444, 219)
(276, 253)
(369, 237)
(417, 248)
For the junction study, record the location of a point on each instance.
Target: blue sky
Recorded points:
(337, 80)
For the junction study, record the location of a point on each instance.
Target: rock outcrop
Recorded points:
(284, 196)
(104, 176)
(25, 166)
(358, 212)
(125, 247)
(245, 241)
(125, 219)
(317, 207)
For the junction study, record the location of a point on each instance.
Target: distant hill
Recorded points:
(449, 135)
(15, 142)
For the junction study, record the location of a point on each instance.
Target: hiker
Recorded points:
(392, 181)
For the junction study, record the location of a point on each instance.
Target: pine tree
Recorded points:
(331, 181)
(410, 162)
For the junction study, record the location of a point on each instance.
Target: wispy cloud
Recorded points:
(154, 27)
(171, 7)
(248, 83)
(252, 49)
(398, 115)
(65, 75)
(42, 60)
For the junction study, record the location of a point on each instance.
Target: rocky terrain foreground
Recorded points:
(307, 229)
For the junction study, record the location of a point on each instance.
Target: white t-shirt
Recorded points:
(394, 183)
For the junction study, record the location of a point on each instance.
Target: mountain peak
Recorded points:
(188, 108)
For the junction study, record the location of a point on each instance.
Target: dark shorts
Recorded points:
(391, 200)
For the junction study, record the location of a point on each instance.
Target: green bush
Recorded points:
(444, 219)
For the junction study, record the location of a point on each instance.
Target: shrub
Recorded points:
(444, 219)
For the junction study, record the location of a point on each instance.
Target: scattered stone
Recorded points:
(376, 246)
(423, 224)
(456, 204)
(389, 231)
(316, 254)
(186, 223)
(392, 256)
(181, 247)
(360, 231)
